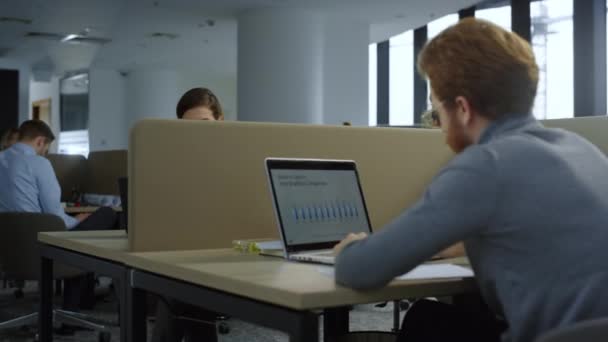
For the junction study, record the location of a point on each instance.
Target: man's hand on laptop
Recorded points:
(350, 238)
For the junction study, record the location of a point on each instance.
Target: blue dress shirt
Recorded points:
(28, 184)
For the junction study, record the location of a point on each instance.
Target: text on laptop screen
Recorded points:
(318, 205)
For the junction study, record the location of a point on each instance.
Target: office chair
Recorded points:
(595, 330)
(20, 260)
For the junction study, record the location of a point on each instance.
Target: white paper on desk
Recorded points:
(432, 271)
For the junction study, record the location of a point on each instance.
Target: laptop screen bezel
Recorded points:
(310, 164)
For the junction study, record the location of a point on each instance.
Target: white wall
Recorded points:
(151, 94)
(107, 110)
(117, 101)
(24, 85)
(42, 91)
(280, 66)
(345, 72)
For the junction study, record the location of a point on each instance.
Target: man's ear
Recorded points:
(40, 143)
(463, 110)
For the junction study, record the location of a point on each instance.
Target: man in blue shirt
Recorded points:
(29, 184)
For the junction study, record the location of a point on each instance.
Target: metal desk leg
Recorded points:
(306, 329)
(121, 287)
(45, 318)
(135, 314)
(335, 323)
(396, 315)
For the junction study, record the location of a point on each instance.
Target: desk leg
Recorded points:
(335, 323)
(306, 329)
(45, 318)
(136, 314)
(121, 285)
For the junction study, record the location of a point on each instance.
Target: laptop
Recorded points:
(317, 202)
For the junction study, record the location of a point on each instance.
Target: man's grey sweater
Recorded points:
(531, 205)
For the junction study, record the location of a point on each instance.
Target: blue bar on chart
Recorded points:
(329, 211)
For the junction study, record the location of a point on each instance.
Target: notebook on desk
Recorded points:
(317, 202)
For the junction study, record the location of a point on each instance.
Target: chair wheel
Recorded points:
(223, 328)
(104, 337)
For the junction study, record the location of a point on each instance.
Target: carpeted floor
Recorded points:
(362, 318)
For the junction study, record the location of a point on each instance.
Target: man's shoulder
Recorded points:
(36, 162)
(476, 156)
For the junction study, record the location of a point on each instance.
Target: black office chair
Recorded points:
(21, 261)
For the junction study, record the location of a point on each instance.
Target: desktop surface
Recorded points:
(106, 244)
(294, 285)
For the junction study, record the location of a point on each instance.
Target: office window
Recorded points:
(373, 84)
(436, 26)
(552, 40)
(74, 114)
(500, 16)
(74, 142)
(401, 79)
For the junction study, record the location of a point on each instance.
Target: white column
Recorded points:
(108, 117)
(151, 94)
(346, 72)
(118, 100)
(280, 66)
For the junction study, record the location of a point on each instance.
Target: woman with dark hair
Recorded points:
(199, 104)
(176, 320)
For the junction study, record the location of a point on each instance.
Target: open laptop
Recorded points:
(317, 202)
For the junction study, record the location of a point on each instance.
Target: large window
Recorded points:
(552, 40)
(436, 26)
(74, 114)
(74, 142)
(500, 16)
(373, 84)
(401, 79)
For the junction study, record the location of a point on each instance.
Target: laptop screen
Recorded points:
(318, 202)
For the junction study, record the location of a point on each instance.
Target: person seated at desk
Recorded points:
(29, 183)
(199, 104)
(9, 138)
(529, 202)
(195, 104)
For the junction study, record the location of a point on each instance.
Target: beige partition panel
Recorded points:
(104, 169)
(70, 171)
(593, 128)
(202, 184)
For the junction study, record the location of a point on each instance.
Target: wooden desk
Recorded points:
(264, 290)
(86, 210)
(102, 252)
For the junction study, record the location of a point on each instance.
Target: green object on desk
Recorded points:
(257, 246)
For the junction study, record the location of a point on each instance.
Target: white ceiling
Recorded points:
(211, 49)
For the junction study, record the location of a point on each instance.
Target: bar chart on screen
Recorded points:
(334, 211)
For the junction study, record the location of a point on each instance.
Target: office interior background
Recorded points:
(92, 68)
